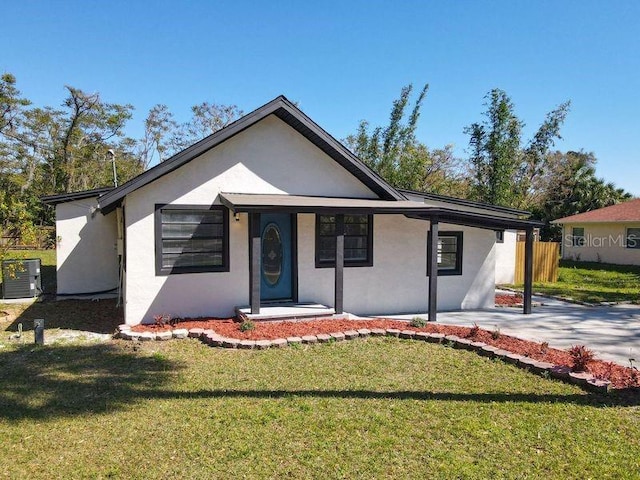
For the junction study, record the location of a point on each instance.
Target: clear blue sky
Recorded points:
(345, 61)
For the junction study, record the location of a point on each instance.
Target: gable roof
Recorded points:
(69, 197)
(288, 113)
(621, 212)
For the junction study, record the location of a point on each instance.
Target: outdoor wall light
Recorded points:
(236, 216)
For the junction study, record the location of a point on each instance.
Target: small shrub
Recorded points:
(162, 320)
(418, 322)
(247, 325)
(474, 331)
(544, 346)
(580, 357)
(495, 333)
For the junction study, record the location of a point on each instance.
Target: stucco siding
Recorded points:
(604, 242)
(269, 157)
(397, 281)
(86, 253)
(506, 258)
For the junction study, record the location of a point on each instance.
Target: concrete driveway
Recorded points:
(613, 333)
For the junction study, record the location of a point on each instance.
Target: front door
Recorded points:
(276, 279)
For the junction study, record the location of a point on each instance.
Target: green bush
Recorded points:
(418, 322)
(247, 325)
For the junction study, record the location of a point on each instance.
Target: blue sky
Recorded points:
(346, 61)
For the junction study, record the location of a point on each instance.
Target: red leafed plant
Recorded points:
(580, 357)
(162, 320)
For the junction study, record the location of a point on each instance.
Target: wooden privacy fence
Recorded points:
(44, 238)
(546, 256)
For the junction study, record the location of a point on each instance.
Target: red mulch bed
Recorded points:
(507, 300)
(620, 377)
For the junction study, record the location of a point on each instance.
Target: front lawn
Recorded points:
(594, 282)
(375, 408)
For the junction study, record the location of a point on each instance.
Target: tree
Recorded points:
(392, 151)
(46, 150)
(396, 155)
(503, 172)
(158, 128)
(165, 137)
(207, 118)
(15, 219)
(11, 104)
(570, 186)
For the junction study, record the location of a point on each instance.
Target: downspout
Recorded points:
(120, 250)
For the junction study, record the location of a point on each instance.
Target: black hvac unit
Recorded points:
(21, 278)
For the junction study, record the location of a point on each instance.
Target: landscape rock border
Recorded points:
(211, 338)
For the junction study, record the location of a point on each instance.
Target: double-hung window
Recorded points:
(358, 241)
(191, 239)
(449, 253)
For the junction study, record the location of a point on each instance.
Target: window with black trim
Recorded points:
(633, 238)
(358, 240)
(577, 236)
(191, 239)
(449, 253)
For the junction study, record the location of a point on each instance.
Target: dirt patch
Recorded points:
(620, 377)
(91, 316)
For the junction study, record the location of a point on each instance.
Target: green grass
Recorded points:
(594, 282)
(376, 408)
(380, 408)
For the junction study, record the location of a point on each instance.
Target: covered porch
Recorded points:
(256, 205)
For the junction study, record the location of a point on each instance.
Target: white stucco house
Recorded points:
(610, 234)
(506, 243)
(273, 210)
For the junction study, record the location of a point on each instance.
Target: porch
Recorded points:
(257, 205)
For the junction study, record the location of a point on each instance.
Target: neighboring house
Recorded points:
(272, 209)
(610, 234)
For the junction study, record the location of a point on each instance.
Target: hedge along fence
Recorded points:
(45, 237)
(546, 258)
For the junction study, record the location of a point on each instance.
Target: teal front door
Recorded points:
(276, 279)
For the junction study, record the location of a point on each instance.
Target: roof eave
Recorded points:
(563, 221)
(70, 197)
